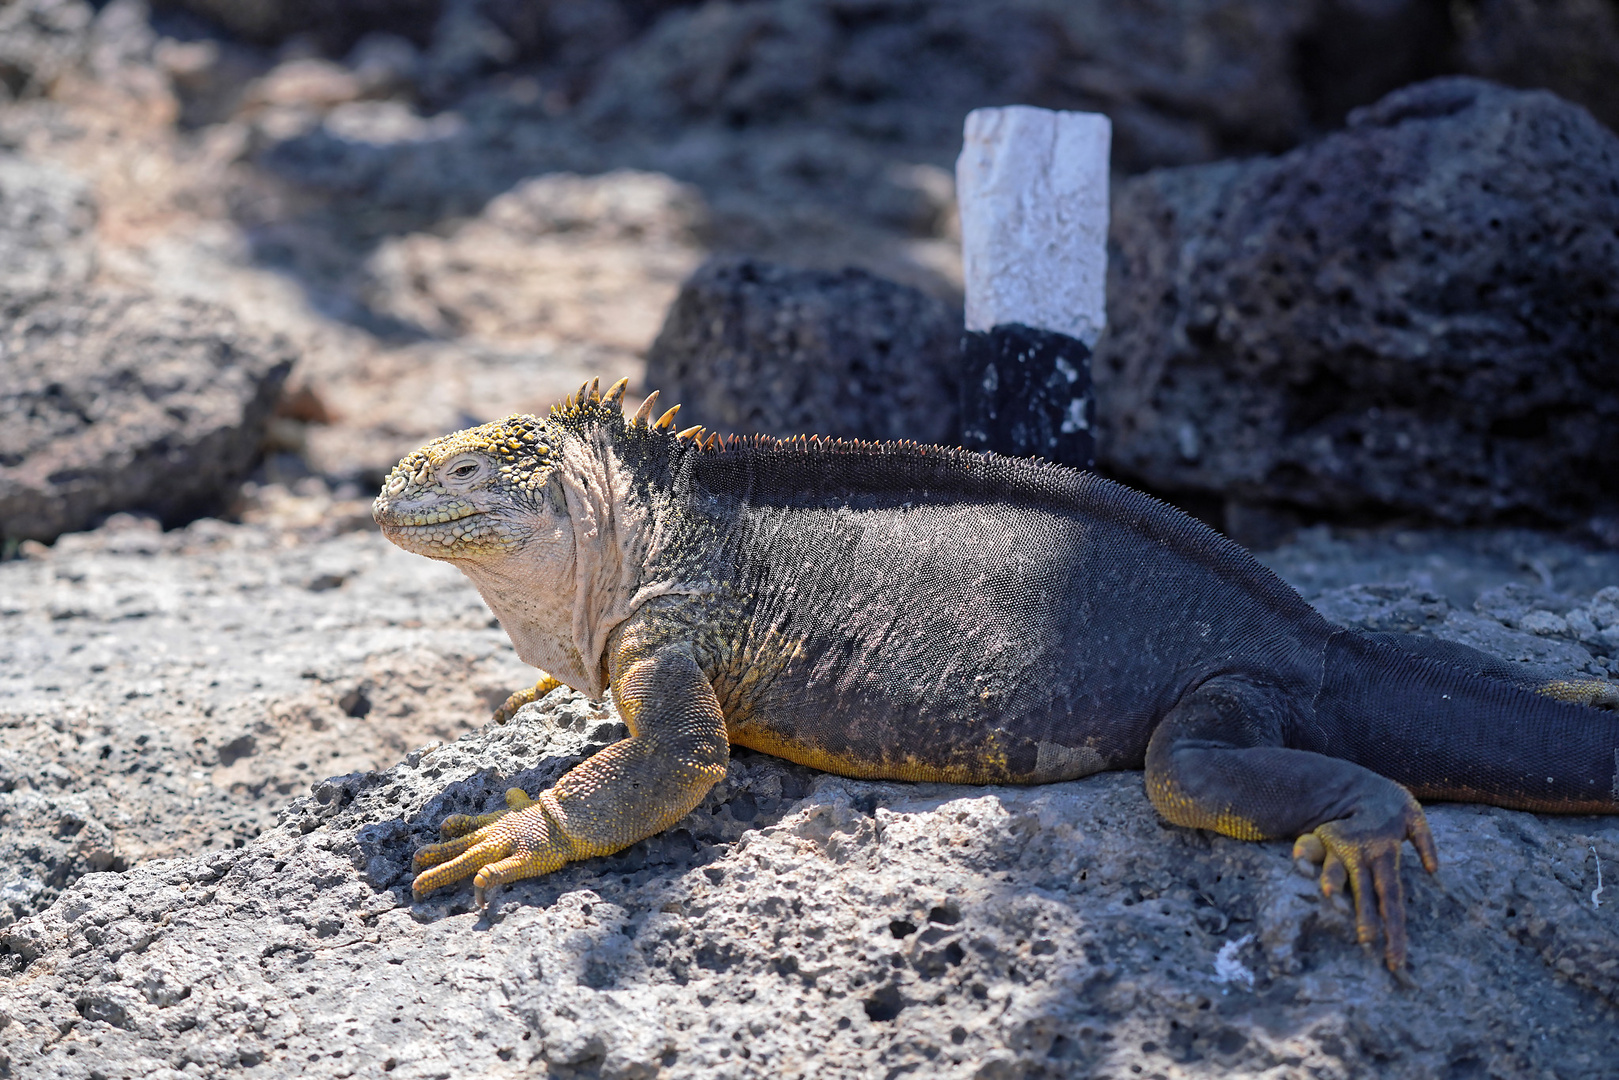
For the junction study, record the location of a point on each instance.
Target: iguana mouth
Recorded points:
(394, 519)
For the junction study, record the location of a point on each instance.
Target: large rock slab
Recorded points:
(794, 924)
(1414, 316)
(164, 693)
(113, 400)
(752, 347)
(798, 923)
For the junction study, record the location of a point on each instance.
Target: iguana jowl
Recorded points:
(920, 613)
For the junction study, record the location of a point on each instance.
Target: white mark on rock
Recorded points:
(1228, 969)
(1188, 443)
(1597, 892)
(1074, 419)
(1069, 371)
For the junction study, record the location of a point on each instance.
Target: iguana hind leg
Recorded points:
(639, 786)
(1216, 762)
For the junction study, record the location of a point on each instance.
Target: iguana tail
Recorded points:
(1448, 733)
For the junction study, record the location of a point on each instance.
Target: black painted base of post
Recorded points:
(1026, 392)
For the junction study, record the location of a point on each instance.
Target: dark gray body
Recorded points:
(934, 614)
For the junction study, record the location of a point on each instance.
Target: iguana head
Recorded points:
(475, 494)
(541, 515)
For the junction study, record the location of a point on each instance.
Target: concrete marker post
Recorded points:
(1033, 189)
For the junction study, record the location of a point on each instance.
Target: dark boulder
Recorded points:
(120, 401)
(1570, 47)
(751, 347)
(1184, 82)
(1417, 316)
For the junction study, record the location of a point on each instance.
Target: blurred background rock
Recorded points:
(448, 210)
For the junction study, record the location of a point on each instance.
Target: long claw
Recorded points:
(459, 867)
(1365, 856)
(496, 874)
(1422, 839)
(1333, 876)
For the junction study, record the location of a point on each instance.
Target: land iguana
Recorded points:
(915, 612)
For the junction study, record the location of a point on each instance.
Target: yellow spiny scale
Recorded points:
(691, 432)
(643, 415)
(667, 420)
(615, 393)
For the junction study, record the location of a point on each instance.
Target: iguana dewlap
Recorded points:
(920, 613)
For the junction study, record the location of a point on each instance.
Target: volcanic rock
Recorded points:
(1415, 316)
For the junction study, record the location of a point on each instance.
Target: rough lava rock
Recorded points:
(1415, 316)
(752, 347)
(165, 693)
(1182, 83)
(47, 229)
(40, 40)
(114, 400)
(795, 924)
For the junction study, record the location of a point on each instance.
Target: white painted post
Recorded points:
(1032, 186)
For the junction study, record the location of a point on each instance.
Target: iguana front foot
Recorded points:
(1363, 852)
(525, 697)
(521, 841)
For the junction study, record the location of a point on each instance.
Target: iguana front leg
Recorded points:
(639, 786)
(1215, 762)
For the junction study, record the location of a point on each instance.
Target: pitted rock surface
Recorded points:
(116, 401)
(751, 347)
(1412, 316)
(795, 924)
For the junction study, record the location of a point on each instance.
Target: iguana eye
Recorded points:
(464, 470)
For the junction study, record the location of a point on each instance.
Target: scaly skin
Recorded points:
(918, 613)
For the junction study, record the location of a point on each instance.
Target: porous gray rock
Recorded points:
(797, 923)
(114, 400)
(794, 924)
(40, 40)
(166, 693)
(1415, 316)
(47, 229)
(752, 347)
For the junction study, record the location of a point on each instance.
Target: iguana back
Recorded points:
(961, 616)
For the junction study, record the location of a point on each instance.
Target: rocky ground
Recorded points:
(223, 742)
